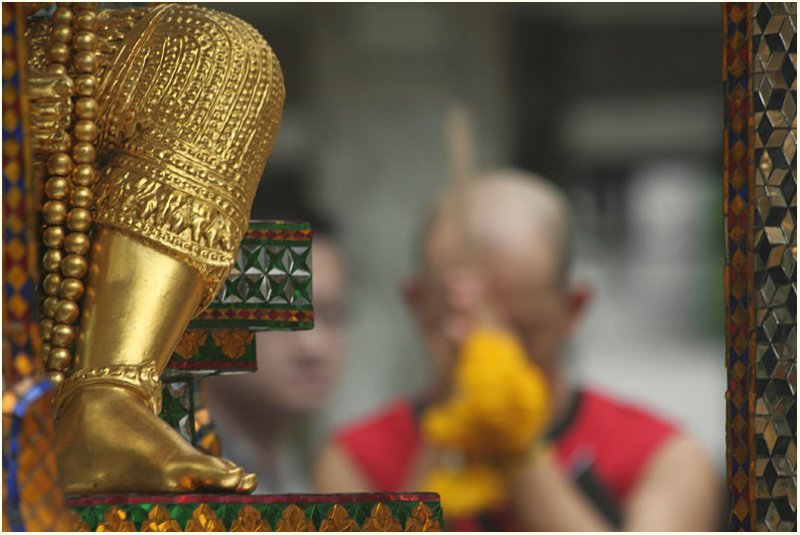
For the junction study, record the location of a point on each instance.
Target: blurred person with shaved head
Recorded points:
(501, 431)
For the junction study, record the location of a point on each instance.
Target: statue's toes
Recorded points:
(248, 484)
(202, 473)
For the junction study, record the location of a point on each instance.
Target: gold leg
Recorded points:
(138, 303)
(109, 439)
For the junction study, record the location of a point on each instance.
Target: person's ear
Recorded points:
(578, 297)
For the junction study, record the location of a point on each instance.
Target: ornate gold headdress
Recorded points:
(151, 128)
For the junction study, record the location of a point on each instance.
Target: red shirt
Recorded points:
(603, 443)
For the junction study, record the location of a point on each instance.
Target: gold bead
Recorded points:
(83, 153)
(53, 237)
(47, 328)
(61, 34)
(85, 130)
(79, 220)
(83, 175)
(85, 20)
(74, 266)
(54, 212)
(46, 348)
(56, 68)
(77, 243)
(51, 261)
(71, 289)
(86, 108)
(60, 359)
(49, 306)
(51, 283)
(62, 16)
(63, 335)
(58, 53)
(66, 311)
(81, 197)
(56, 378)
(85, 41)
(59, 164)
(85, 62)
(86, 85)
(57, 187)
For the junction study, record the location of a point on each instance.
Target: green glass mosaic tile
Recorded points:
(335, 512)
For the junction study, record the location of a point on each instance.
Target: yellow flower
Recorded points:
(500, 404)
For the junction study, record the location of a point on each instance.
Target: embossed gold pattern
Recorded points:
(294, 519)
(422, 519)
(187, 162)
(233, 342)
(116, 520)
(190, 342)
(79, 525)
(249, 519)
(158, 519)
(327, 513)
(381, 519)
(142, 380)
(338, 520)
(179, 106)
(204, 519)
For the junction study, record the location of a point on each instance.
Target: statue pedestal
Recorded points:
(287, 512)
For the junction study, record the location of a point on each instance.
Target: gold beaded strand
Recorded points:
(64, 286)
(56, 189)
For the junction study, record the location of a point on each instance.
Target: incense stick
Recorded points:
(460, 147)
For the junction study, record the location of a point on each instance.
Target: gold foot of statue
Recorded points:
(97, 408)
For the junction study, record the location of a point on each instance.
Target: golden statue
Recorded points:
(151, 130)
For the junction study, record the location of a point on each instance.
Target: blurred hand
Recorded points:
(468, 305)
(497, 407)
(498, 402)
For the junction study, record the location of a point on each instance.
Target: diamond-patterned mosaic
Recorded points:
(182, 409)
(20, 329)
(177, 406)
(738, 258)
(774, 261)
(333, 512)
(32, 498)
(269, 287)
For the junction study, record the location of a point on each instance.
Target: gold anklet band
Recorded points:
(142, 379)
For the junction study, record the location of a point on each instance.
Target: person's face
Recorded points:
(521, 284)
(298, 370)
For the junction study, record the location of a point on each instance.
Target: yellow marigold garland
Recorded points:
(499, 407)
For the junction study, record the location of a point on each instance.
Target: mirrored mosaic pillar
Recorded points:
(760, 211)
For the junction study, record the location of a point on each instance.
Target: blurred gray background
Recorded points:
(620, 104)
